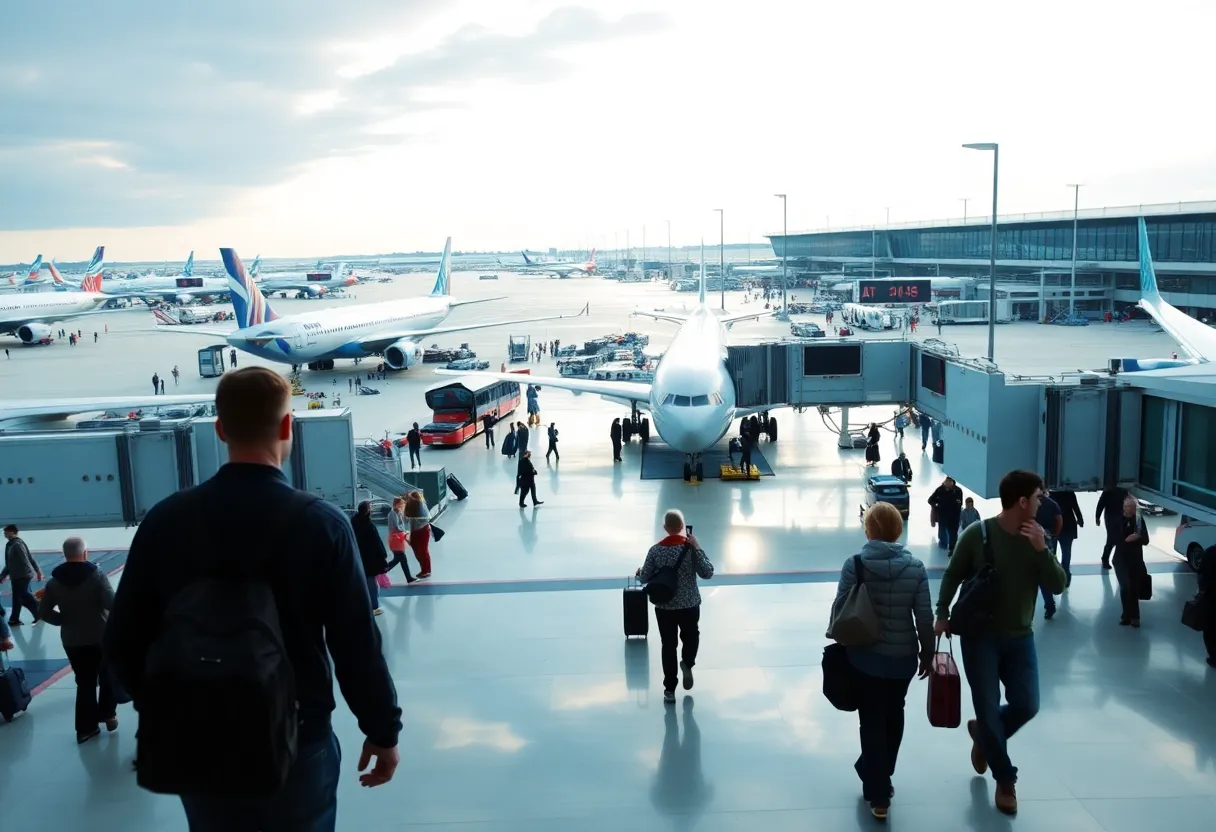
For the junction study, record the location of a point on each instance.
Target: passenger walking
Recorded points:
(488, 421)
(1108, 513)
(155, 384)
(533, 406)
(20, 566)
(94, 337)
(414, 440)
(902, 468)
(899, 591)
(947, 502)
(552, 443)
(232, 358)
(747, 442)
(615, 434)
(526, 479)
(1002, 651)
(371, 552)
(162, 386)
(926, 426)
(521, 438)
(300, 548)
(1052, 521)
(969, 515)
(1073, 519)
(176, 375)
(1130, 571)
(77, 600)
(678, 619)
(510, 444)
(418, 514)
(397, 537)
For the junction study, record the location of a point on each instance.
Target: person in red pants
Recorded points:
(419, 517)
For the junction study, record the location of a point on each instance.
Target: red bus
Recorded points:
(460, 406)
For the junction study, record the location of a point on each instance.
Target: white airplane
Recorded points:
(305, 284)
(394, 328)
(560, 270)
(692, 398)
(1195, 337)
(20, 411)
(27, 315)
(182, 288)
(13, 283)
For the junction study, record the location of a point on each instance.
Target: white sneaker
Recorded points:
(686, 672)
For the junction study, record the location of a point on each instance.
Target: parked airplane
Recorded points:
(14, 282)
(394, 328)
(15, 412)
(560, 270)
(1195, 337)
(692, 398)
(305, 284)
(27, 315)
(182, 288)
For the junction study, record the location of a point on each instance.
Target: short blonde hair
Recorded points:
(883, 522)
(673, 521)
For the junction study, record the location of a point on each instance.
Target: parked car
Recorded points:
(1191, 538)
(884, 488)
(1152, 509)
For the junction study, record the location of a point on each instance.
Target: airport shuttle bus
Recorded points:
(972, 311)
(868, 317)
(460, 407)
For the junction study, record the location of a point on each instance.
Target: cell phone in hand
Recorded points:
(690, 528)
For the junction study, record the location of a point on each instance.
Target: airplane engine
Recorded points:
(184, 299)
(403, 354)
(312, 291)
(33, 333)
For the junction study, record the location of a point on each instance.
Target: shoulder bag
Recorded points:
(972, 613)
(855, 623)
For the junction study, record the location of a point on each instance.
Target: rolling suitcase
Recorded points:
(14, 692)
(637, 615)
(939, 452)
(945, 690)
(456, 487)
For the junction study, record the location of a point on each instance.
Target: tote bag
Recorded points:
(855, 623)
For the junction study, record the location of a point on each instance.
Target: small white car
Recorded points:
(1191, 538)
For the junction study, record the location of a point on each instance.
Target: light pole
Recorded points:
(722, 253)
(964, 200)
(996, 154)
(785, 246)
(1072, 290)
(670, 276)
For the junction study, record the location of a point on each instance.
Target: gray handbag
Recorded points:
(855, 623)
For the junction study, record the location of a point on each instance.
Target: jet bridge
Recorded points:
(1080, 431)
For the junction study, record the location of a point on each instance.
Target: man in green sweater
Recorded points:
(1005, 652)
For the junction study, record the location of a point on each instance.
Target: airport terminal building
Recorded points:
(1034, 256)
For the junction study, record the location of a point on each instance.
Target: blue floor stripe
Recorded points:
(728, 579)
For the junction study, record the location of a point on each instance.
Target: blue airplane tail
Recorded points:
(527, 259)
(248, 304)
(443, 281)
(188, 271)
(1148, 277)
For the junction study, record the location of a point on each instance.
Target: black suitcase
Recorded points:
(939, 452)
(455, 486)
(637, 616)
(14, 692)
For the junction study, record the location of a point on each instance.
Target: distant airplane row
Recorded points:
(560, 270)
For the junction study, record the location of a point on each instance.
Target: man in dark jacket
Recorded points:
(552, 449)
(614, 433)
(1207, 586)
(20, 565)
(78, 599)
(1110, 510)
(488, 423)
(1073, 520)
(320, 593)
(902, 468)
(947, 502)
(521, 438)
(414, 440)
(526, 476)
(747, 443)
(372, 553)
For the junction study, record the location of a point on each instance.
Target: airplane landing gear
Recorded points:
(636, 425)
(327, 364)
(694, 468)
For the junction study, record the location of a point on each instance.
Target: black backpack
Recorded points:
(972, 613)
(665, 581)
(218, 710)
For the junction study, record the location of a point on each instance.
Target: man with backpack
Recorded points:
(1001, 564)
(234, 598)
(670, 572)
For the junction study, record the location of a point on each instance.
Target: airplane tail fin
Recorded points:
(61, 285)
(35, 269)
(165, 318)
(255, 266)
(443, 280)
(92, 274)
(1148, 277)
(188, 270)
(702, 299)
(248, 304)
(591, 259)
(527, 259)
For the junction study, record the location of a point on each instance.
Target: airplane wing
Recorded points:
(625, 391)
(381, 340)
(671, 317)
(191, 329)
(55, 409)
(744, 316)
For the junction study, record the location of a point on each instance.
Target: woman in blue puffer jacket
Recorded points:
(899, 590)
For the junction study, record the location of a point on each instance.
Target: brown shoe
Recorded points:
(977, 754)
(1007, 798)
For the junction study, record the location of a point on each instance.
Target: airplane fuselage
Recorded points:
(46, 307)
(163, 287)
(336, 333)
(692, 399)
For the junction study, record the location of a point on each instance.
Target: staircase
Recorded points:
(379, 474)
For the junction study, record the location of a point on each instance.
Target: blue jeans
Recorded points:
(1049, 600)
(947, 535)
(308, 801)
(373, 591)
(990, 661)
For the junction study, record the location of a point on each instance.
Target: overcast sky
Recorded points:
(312, 127)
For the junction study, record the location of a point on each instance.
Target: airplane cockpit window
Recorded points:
(670, 398)
(682, 401)
(700, 401)
(715, 398)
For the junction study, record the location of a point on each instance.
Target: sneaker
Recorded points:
(411, 580)
(978, 761)
(112, 724)
(1136, 623)
(669, 696)
(81, 739)
(1049, 614)
(423, 575)
(1123, 622)
(1006, 798)
(542, 502)
(377, 611)
(686, 672)
(878, 811)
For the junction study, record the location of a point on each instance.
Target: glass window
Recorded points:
(1188, 241)
(669, 398)
(700, 401)
(682, 401)
(1196, 479)
(1152, 438)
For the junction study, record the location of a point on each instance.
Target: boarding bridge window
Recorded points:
(1152, 442)
(1196, 479)
(682, 401)
(835, 360)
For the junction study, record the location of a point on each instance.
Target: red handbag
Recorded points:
(945, 689)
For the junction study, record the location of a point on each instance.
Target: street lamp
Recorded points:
(722, 253)
(964, 200)
(996, 154)
(670, 276)
(785, 245)
(1072, 291)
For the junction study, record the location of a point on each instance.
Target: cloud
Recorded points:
(153, 112)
